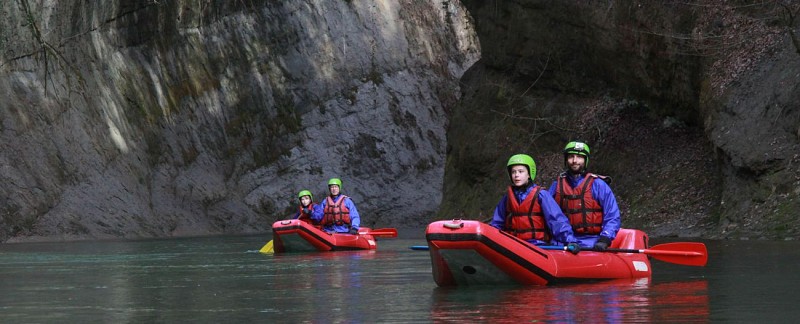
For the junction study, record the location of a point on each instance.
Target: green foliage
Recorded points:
(13, 223)
(189, 154)
(153, 145)
(276, 140)
(783, 219)
(287, 115)
(351, 94)
(375, 76)
(424, 165)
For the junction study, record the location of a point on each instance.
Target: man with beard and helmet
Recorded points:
(586, 199)
(338, 213)
(528, 212)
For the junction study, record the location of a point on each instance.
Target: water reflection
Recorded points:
(600, 302)
(319, 287)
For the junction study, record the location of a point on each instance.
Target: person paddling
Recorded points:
(528, 212)
(306, 208)
(586, 199)
(338, 213)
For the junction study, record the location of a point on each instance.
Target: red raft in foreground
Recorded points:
(474, 253)
(295, 235)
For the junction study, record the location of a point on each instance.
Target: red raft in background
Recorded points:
(295, 235)
(473, 253)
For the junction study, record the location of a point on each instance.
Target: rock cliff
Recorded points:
(165, 118)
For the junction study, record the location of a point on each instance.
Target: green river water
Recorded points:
(225, 279)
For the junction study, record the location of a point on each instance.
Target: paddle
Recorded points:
(382, 232)
(268, 248)
(684, 253)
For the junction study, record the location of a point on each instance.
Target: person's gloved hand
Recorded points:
(306, 211)
(353, 230)
(574, 248)
(602, 243)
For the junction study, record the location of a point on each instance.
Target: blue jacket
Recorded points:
(556, 221)
(355, 220)
(601, 192)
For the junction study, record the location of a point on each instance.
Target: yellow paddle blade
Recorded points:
(267, 248)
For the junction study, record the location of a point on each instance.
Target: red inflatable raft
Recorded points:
(295, 235)
(474, 253)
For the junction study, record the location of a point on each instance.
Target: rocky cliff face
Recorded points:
(692, 109)
(161, 118)
(155, 118)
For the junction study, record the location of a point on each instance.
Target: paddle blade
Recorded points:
(383, 232)
(685, 253)
(268, 248)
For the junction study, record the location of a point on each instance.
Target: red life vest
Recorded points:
(307, 217)
(336, 212)
(585, 214)
(525, 220)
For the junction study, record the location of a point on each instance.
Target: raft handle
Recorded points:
(454, 225)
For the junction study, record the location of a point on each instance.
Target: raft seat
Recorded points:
(629, 239)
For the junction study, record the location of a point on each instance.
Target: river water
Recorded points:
(225, 279)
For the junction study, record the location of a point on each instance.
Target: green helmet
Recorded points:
(335, 181)
(305, 193)
(579, 148)
(523, 159)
